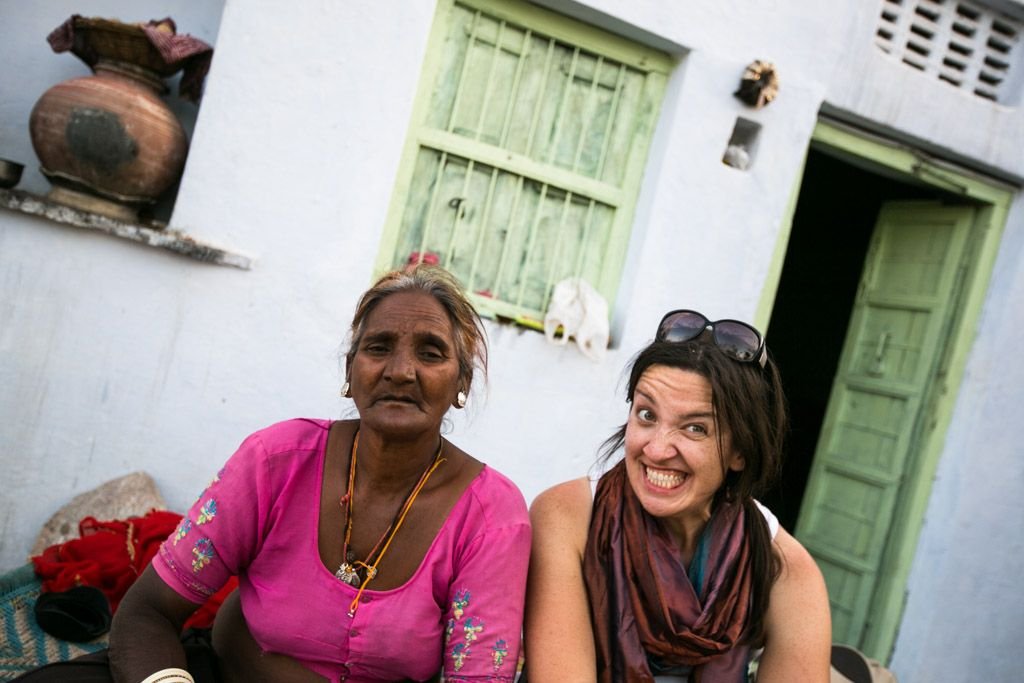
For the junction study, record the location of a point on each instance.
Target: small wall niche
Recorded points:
(742, 147)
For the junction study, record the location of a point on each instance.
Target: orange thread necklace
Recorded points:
(350, 567)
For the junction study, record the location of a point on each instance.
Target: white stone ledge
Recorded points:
(162, 238)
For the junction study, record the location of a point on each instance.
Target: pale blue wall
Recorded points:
(116, 357)
(964, 619)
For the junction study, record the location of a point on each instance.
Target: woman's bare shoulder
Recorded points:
(798, 566)
(569, 499)
(563, 511)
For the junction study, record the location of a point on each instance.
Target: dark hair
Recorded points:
(750, 407)
(469, 337)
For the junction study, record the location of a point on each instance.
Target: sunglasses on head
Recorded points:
(738, 339)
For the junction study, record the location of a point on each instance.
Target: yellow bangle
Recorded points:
(170, 676)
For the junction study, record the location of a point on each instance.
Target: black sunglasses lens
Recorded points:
(738, 340)
(682, 326)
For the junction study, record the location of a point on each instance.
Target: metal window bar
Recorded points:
(485, 218)
(589, 111)
(460, 210)
(613, 112)
(489, 86)
(556, 252)
(530, 244)
(552, 155)
(539, 101)
(514, 91)
(432, 205)
(513, 215)
(462, 74)
(577, 270)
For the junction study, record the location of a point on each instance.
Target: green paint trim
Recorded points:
(898, 157)
(403, 178)
(986, 234)
(636, 162)
(763, 315)
(575, 32)
(519, 164)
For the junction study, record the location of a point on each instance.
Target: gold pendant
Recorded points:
(347, 573)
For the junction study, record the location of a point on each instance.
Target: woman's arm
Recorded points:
(145, 633)
(559, 637)
(798, 627)
(484, 615)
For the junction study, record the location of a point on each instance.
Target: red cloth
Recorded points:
(203, 617)
(111, 555)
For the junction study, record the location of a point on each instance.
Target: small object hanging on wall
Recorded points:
(759, 84)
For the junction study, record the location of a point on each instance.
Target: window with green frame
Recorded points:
(528, 144)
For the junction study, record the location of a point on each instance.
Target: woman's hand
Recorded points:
(798, 626)
(242, 660)
(559, 637)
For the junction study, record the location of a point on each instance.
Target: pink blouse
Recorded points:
(461, 611)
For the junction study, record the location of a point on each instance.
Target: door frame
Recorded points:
(992, 198)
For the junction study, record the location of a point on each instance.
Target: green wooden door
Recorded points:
(864, 452)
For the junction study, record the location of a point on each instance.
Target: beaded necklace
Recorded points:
(350, 568)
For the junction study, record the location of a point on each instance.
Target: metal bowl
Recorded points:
(10, 173)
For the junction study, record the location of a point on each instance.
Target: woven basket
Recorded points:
(24, 646)
(120, 42)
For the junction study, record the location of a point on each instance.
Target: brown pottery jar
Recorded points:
(108, 143)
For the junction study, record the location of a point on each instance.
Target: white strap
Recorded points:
(170, 676)
(773, 521)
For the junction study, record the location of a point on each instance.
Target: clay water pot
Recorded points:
(107, 142)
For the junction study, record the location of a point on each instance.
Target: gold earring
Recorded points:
(346, 390)
(460, 400)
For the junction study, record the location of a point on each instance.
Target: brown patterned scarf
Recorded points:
(642, 604)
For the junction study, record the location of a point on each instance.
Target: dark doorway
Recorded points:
(835, 216)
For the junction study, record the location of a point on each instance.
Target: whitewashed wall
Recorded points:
(116, 357)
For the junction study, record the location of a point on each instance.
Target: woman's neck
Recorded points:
(394, 464)
(686, 531)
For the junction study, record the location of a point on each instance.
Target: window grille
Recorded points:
(965, 44)
(525, 165)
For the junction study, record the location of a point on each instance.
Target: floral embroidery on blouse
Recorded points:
(202, 553)
(183, 529)
(207, 512)
(499, 652)
(213, 481)
(460, 602)
(459, 654)
(448, 629)
(472, 627)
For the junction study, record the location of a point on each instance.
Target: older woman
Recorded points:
(367, 550)
(667, 568)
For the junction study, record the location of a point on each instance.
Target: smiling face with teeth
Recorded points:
(673, 456)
